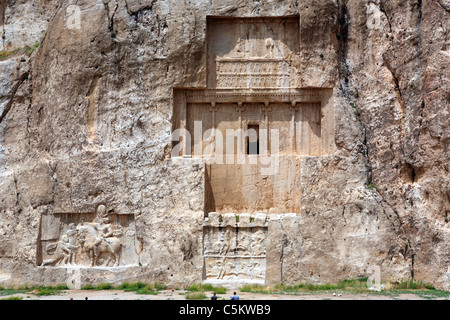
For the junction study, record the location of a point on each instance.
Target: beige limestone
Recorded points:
(88, 117)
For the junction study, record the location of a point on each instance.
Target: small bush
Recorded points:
(372, 186)
(356, 110)
(29, 50)
(220, 290)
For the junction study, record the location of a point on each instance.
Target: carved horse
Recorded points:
(89, 241)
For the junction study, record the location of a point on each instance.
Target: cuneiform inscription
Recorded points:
(253, 81)
(254, 74)
(252, 67)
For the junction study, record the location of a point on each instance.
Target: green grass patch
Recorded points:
(12, 298)
(372, 186)
(412, 285)
(29, 50)
(99, 287)
(356, 111)
(142, 288)
(196, 296)
(206, 287)
(39, 291)
(355, 286)
(9, 292)
(254, 288)
(49, 291)
(6, 54)
(358, 285)
(220, 290)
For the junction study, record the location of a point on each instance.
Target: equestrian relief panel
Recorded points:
(96, 239)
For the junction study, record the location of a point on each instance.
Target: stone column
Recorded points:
(293, 109)
(213, 109)
(239, 109)
(266, 109)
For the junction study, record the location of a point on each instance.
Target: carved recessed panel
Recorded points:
(235, 253)
(252, 53)
(96, 239)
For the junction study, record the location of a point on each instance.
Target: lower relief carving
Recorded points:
(87, 239)
(235, 254)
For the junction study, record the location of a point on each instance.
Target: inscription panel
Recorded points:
(254, 74)
(252, 53)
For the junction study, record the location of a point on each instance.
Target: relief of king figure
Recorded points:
(98, 237)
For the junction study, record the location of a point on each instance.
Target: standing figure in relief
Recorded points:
(243, 245)
(269, 47)
(258, 243)
(221, 269)
(64, 250)
(70, 246)
(213, 247)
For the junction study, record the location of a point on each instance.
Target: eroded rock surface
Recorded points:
(86, 118)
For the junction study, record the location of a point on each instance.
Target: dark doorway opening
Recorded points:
(253, 139)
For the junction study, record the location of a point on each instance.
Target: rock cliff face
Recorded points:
(86, 112)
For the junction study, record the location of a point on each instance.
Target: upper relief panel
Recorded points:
(253, 53)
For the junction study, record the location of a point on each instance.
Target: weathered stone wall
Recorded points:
(86, 119)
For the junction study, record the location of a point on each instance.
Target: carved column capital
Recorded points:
(240, 107)
(293, 105)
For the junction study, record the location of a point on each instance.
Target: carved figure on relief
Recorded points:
(98, 237)
(93, 239)
(269, 46)
(257, 244)
(255, 270)
(64, 250)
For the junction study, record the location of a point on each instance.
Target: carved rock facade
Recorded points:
(356, 89)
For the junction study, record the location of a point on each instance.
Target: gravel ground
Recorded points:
(181, 295)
